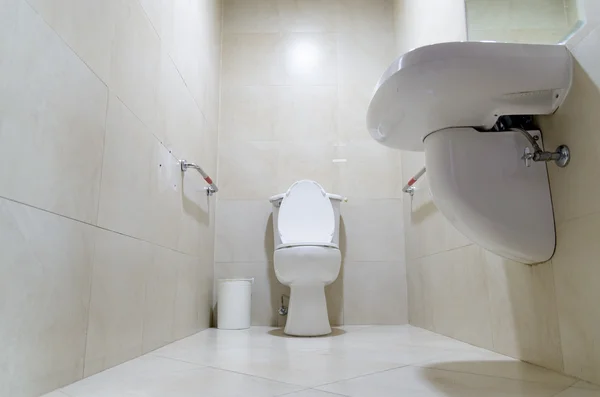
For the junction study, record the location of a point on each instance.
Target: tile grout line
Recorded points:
(89, 310)
(254, 376)
(66, 44)
(359, 376)
(161, 42)
(103, 153)
(441, 252)
(94, 226)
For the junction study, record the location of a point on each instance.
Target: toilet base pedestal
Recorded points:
(307, 312)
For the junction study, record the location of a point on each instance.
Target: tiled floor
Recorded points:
(356, 361)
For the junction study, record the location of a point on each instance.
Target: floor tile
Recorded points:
(159, 377)
(483, 362)
(579, 392)
(586, 385)
(128, 378)
(313, 393)
(424, 382)
(55, 394)
(353, 361)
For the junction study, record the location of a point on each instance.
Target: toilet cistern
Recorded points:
(463, 105)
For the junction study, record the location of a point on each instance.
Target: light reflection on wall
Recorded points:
(303, 57)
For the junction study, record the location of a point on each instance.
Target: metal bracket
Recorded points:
(211, 188)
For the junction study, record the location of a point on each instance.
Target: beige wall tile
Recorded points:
(194, 45)
(314, 161)
(255, 59)
(197, 218)
(310, 58)
(135, 63)
(138, 176)
(244, 231)
(187, 316)
(310, 16)
(248, 170)
(117, 301)
(586, 55)
(204, 297)
(280, 113)
(371, 171)
(53, 111)
(160, 14)
(417, 26)
(420, 296)
(353, 103)
(88, 28)
(62, 59)
(428, 231)
(159, 303)
(372, 16)
(364, 56)
(174, 307)
(581, 175)
(287, 115)
(538, 14)
(44, 294)
(574, 13)
(279, 59)
(461, 306)
(362, 59)
(266, 290)
(307, 114)
(536, 21)
(250, 113)
(372, 230)
(272, 16)
(375, 293)
(524, 314)
(180, 125)
(251, 16)
(488, 14)
(576, 273)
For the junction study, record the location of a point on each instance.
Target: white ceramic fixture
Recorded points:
(307, 257)
(486, 177)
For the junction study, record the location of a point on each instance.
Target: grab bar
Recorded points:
(211, 188)
(409, 188)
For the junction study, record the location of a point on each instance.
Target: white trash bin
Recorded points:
(234, 299)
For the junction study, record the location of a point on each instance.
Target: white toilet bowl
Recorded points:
(307, 255)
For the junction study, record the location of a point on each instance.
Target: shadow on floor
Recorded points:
(279, 332)
(453, 378)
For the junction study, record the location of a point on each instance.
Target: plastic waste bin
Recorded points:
(234, 299)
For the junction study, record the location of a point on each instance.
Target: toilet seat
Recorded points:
(306, 216)
(307, 244)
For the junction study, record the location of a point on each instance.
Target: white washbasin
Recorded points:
(465, 84)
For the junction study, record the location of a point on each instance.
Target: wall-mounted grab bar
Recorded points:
(211, 188)
(409, 188)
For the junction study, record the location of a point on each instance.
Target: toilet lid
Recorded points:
(306, 214)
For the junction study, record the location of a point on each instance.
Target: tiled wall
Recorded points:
(546, 314)
(519, 21)
(106, 252)
(297, 80)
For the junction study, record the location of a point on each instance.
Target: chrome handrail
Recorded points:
(409, 188)
(211, 188)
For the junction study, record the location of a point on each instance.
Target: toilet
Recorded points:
(307, 257)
